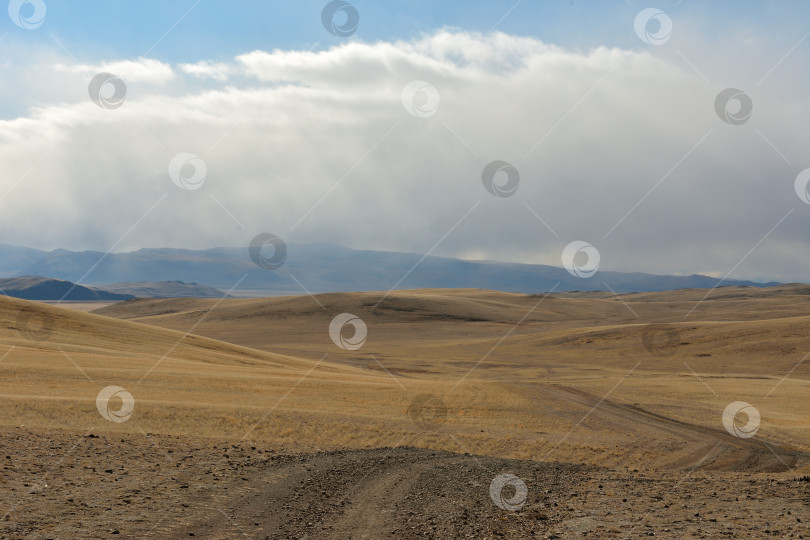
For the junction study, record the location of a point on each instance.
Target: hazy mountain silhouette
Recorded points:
(328, 267)
(15, 259)
(41, 288)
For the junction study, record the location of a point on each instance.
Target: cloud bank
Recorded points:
(621, 149)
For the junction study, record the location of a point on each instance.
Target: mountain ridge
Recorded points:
(43, 288)
(333, 268)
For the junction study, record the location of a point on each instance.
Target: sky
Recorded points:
(667, 137)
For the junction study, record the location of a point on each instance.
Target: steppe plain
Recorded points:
(249, 420)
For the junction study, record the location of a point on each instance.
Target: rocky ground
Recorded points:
(58, 484)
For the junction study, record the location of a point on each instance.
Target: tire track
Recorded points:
(381, 493)
(733, 454)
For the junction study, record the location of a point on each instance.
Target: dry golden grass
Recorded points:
(572, 382)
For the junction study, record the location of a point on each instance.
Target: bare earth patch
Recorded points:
(63, 485)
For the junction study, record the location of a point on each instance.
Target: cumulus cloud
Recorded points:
(147, 70)
(218, 71)
(619, 148)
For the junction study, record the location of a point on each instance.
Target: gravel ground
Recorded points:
(58, 484)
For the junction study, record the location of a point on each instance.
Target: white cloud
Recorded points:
(316, 146)
(146, 70)
(218, 71)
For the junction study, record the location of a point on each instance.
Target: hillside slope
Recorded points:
(723, 330)
(507, 375)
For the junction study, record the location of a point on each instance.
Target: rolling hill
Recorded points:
(250, 404)
(721, 329)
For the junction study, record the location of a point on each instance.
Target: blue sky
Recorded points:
(94, 31)
(378, 140)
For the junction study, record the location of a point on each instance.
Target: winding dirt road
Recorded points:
(705, 448)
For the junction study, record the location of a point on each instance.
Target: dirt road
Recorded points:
(703, 447)
(64, 485)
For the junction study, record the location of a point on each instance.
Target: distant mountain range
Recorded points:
(15, 259)
(40, 288)
(322, 268)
